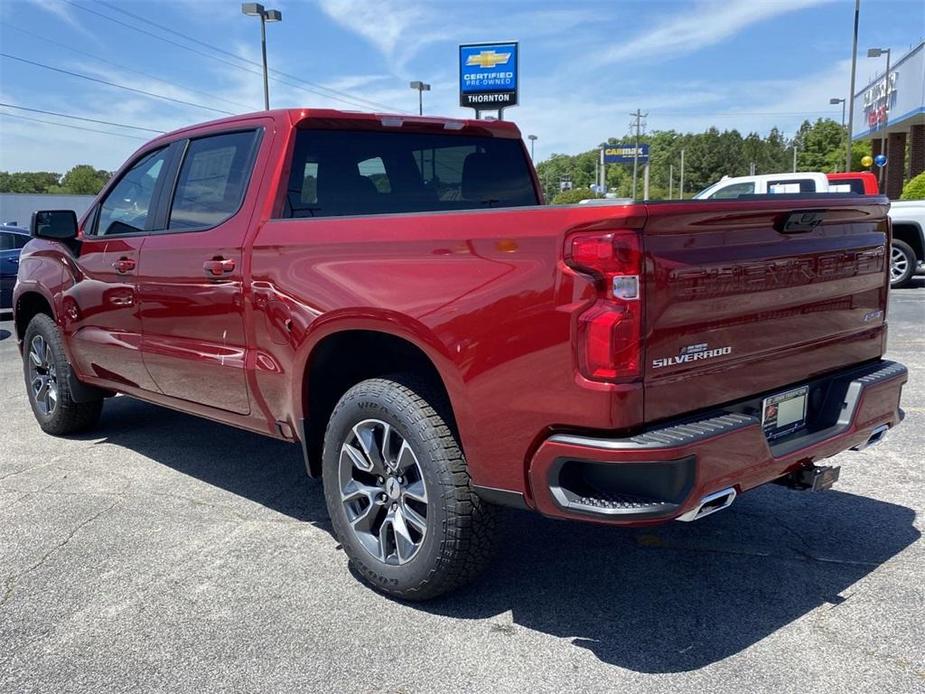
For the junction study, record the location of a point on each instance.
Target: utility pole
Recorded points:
(645, 182)
(751, 169)
(794, 156)
(638, 116)
(681, 181)
(854, 65)
(670, 179)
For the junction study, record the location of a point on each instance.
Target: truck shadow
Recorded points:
(671, 598)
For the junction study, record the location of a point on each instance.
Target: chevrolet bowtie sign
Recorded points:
(488, 75)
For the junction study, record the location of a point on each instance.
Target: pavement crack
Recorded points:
(12, 580)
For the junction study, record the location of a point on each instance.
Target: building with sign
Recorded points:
(892, 108)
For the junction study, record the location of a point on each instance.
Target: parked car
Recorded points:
(908, 251)
(389, 293)
(729, 187)
(12, 240)
(907, 254)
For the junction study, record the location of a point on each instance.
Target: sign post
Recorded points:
(488, 76)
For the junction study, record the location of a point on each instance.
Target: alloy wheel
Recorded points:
(43, 376)
(899, 264)
(382, 491)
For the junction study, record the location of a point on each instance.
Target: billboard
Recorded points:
(488, 75)
(623, 154)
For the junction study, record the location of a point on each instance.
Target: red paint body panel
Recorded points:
(487, 296)
(865, 180)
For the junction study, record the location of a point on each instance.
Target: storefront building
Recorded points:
(890, 112)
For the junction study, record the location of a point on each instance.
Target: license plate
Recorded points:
(784, 413)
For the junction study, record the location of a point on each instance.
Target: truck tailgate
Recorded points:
(738, 303)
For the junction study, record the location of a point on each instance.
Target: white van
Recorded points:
(732, 187)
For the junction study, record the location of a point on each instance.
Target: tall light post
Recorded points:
(854, 67)
(421, 87)
(834, 101)
(533, 139)
(255, 9)
(876, 53)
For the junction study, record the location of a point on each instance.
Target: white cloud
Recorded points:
(399, 29)
(703, 24)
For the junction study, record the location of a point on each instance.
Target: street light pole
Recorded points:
(854, 66)
(421, 87)
(255, 9)
(533, 139)
(876, 53)
(681, 179)
(835, 101)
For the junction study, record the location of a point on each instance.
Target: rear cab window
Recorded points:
(353, 172)
(792, 185)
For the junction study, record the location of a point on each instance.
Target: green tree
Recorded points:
(914, 189)
(575, 195)
(83, 179)
(28, 181)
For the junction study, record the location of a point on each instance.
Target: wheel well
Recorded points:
(912, 235)
(29, 305)
(342, 360)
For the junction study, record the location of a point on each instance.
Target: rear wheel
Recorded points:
(47, 373)
(902, 264)
(398, 492)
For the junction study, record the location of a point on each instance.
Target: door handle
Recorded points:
(218, 266)
(124, 265)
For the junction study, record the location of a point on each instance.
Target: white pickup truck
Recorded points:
(762, 184)
(908, 252)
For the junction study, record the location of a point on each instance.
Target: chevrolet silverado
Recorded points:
(391, 294)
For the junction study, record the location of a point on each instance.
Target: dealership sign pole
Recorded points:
(488, 76)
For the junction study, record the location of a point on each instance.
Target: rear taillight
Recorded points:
(610, 330)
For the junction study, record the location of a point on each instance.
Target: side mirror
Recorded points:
(59, 225)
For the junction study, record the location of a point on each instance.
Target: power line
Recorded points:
(153, 95)
(352, 101)
(740, 113)
(89, 120)
(246, 107)
(72, 127)
(246, 60)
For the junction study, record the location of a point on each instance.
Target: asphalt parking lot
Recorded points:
(165, 552)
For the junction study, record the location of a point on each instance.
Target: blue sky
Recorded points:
(584, 66)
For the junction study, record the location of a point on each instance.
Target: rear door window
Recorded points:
(342, 172)
(212, 181)
(734, 191)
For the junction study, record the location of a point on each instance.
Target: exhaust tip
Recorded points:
(711, 503)
(876, 436)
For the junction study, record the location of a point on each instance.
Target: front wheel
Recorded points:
(398, 492)
(902, 264)
(48, 374)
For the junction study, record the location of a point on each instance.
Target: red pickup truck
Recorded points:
(390, 293)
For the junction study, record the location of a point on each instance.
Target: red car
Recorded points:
(390, 293)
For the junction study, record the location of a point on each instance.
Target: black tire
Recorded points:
(901, 256)
(460, 527)
(67, 416)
